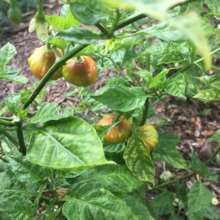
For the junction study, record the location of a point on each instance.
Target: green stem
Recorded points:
(13, 3)
(171, 182)
(40, 11)
(196, 62)
(20, 136)
(145, 111)
(51, 72)
(202, 58)
(130, 20)
(102, 29)
(40, 5)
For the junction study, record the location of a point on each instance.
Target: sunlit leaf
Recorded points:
(138, 160)
(99, 204)
(121, 98)
(69, 143)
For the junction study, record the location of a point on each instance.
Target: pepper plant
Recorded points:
(107, 157)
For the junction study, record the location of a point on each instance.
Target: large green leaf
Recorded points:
(98, 204)
(199, 203)
(64, 21)
(138, 160)
(138, 206)
(61, 22)
(88, 11)
(162, 204)
(69, 143)
(166, 151)
(16, 204)
(115, 178)
(208, 95)
(121, 98)
(176, 86)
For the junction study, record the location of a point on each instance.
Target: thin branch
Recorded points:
(171, 182)
(130, 20)
(20, 136)
(202, 58)
(51, 72)
(102, 29)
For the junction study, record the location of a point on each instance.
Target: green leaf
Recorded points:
(208, 95)
(166, 151)
(5, 180)
(60, 22)
(199, 203)
(57, 42)
(79, 35)
(16, 204)
(65, 21)
(215, 137)
(48, 112)
(162, 204)
(158, 81)
(88, 12)
(114, 148)
(138, 160)
(12, 76)
(198, 166)
(121, 98)
(138, 206)
(7, 52)
(99, 204)
(176, 86)
(115, 178)
(69, 143)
